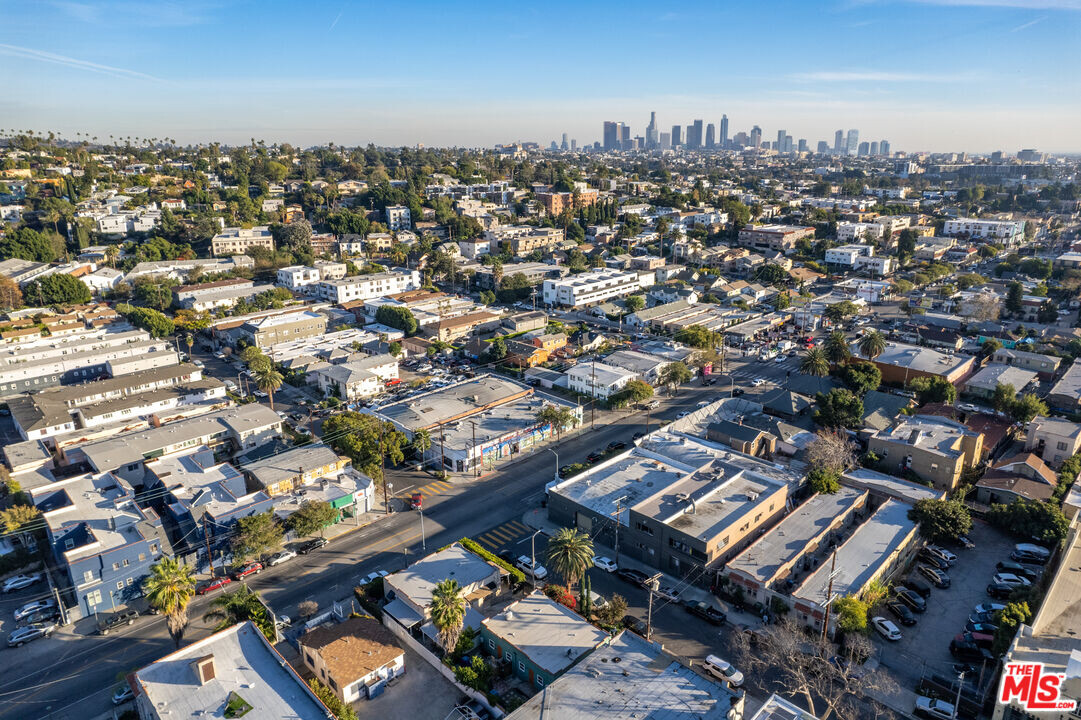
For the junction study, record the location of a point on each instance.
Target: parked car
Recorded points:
(1029, 553)
(911, 599)
(634, 577)
(279, 558)
(983, 640)
(1016, 568)
(707, 612)
(936, 576)
(29, 633)
(122, 695)
(215, 584)
(1010, 579)
(594, 456)
(943, 553)
(638, 436)
(683, 414)
(736, 392)
(982, 618)
(932, 560)
(473, 710)
(1000, 591)
(965, 542)
(34, 606)
(526, 565)
(901, 612)
(987, 607)
(616, 445)
(49, 614)
(969, 651)
(934, 709)
(21, 581)
(918, 586)
(634, 624)
(605, 563)
(668, 593)
(252, 568)
(373, 576)
(980, 627)
(117, 619)
(886, 628)
(723, 670)
(564, 471)
(311, 545)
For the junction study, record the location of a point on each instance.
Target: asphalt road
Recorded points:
(50, 677)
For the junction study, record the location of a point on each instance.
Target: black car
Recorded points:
(707, 612)
(1000, 591)
(926, 556)
(737, 392)
(911, 599)
(634, 624)
(708, 381)
(969, 651)
(124, 617)
(508, 556)
(634, 577)
(594, 456)
(310, 545)
(564, 471)
(638, 436)
(901, 612)
(1016, 568)
(45, 615)
(616, 445)
(918, 586)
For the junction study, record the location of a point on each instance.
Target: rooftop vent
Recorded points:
(204, 669)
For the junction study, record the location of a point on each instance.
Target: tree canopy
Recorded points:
(397, 317)
(357, 436)
(57, 289)
(941, 520)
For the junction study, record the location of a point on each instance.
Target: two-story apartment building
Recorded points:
(238, 240)
(293, 469)
(779, 238)
(936, 449)
(296, 277)
(599, 380)
(1043, 365)
(366, 287)
(1009, 232)
(268, 331)
(361, 377)
(1053, 439)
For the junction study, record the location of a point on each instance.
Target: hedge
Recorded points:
(516, 575)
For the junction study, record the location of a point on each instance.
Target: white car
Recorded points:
(723, 670)
(780, 359)
(1010, 579)
(373, 576)
(683, 414)
(605, 563)
(937, 709)
(703, 403)
(21, 581)
(32, 607)
(526, 565)
(886, 628)
(668, 593)
(122, 695)
(943, 553)
(758, 382)
(281, 557)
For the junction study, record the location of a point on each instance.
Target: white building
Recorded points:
(366, 287)
(102, 280)
(296, 277)
(846, 254)
(599, 380)
(474, 248)
(398, 217)
(591, 288)
(1009, 231)
(858, 231)
(238, 240)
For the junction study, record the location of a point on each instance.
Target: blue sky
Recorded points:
(971, 75)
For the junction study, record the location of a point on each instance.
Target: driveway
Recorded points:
(420, 694)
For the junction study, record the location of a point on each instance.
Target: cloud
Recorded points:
(48, 57)
(1029, 24)
(142, 14)
(339, 17)
(871, 76)
(1026, 4)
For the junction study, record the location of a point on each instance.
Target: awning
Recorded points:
(402, 613)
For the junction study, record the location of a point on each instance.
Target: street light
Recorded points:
(557, 462)
(533, 557)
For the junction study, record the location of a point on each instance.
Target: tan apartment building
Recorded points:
(779, 238)
(238, 240)
(1053, 439)
(936, 449)
(269, 331)
(355, 658)
(556, 202)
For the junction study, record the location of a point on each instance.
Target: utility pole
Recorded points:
(473, 454)
(442, 453)
(829, 595)
(533, 558)
(619, 501)
(209, 557)
(651, 586)
(593, 402)
(383, 472)
(957, 700)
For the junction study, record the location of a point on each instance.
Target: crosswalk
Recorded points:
(437, 487)
(506, 534)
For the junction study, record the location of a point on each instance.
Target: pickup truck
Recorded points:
(124, 617)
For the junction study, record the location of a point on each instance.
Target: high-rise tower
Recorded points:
(723, 140)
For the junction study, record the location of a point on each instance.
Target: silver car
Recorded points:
(23, 635)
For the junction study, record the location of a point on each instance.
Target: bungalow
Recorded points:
(1023, 476)
(523, 354)
(355, 658)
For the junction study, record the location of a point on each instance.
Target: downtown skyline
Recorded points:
(933, 75)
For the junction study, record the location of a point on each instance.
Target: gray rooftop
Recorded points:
(599, 373)
(455, 562)
(861, 556)
(291, 463)
(890, 486)
(995, 374)
(917, 358)
(629, 678)
(454, 401)
(803, 527)
(927, 432)
(635, 361)
(549, 633)
(244, 663)
(1069, 385)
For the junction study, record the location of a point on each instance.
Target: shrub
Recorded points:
(516, 575)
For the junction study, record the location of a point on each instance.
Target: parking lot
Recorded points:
(924, 647)
(421, 693)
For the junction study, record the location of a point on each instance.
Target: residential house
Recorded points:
(1044, 365)
(524, 354)
(1065, 394)
(599, 380)
(355, 658)
(353, 379)
(293, 469)
(984, 382)
(1023, 476)
(1053, 439)
(936, 449)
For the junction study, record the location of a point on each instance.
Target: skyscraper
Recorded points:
(884, 147)
(874, 148)
(711, 135)
(852, 142)
(864, 149)
(677, 136)
(823, 147)
(724, 131)
(652, 137)
(756, 137)
(839, 141)
(574, 144)
(666, 141)
(565, 145)
(780, 141)
(611, 135)
(803, 145)
(694, 135)
(625, 136)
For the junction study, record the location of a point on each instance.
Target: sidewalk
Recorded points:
(538, 520)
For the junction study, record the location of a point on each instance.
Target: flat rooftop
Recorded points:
(244, 663)
(934, 434)
(917, 358)
(454, 401)
(103, 506)
(455, 562)
(860, 557)
(291, 463)
(993, 374)
(687, 449)
(629, 678)
(197, 482)
(790, 538)
(894, 487)
(549, 633)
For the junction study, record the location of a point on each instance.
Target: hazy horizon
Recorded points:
(927, 75)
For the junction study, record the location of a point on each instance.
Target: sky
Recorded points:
(928, 75)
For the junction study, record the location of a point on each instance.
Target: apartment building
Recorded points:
(397, 218)
(936, 449)
(238, 240)
(179, 269)
(268, 331)
(556, 202)
(330, 270)
(366, 287)
(296, 277)
(524, 239)
(295, 468)
(534, 273)
(848, 231)
(846, 255)
(363, 377)
(1043, 365)
(1053, 439)
(218, 294)
(590, 288)
(38, 374)
(1009, 232)
(779, 238)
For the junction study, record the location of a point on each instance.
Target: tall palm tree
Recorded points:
(570, 553)
(268, 380)
(872, 344)
(837, 348)
(448, 612)
(815, 363)
(169, 588)
(239, 606)
(422, 441)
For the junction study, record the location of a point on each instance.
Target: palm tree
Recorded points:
(815, 363)
(239, 606)
(837, 348)
(169, 588)
(190, 340)
(448, 612)
(422, 441)
(570, 554)
(268, 380)
(872, 344)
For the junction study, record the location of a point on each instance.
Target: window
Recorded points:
(119, 584)
(129, 581)
(69, 544)
(126, 562)
(1062, 446)
(644, 528)
(491, 645)
(93, 598)
(88, 576)
(521, 666)
(142, 557)
(154, 548)
(116, 566)
(540, 681)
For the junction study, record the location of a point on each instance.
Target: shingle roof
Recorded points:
(352, 649)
